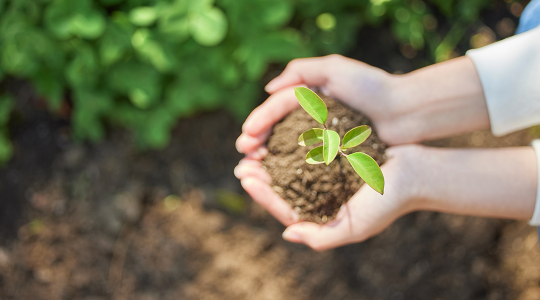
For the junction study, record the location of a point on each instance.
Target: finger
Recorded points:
(322, 237)
(258, 154)
(309, 71)
(261, 120)
(247, 143)
(252, 170)
(262, 193)
(250, 161)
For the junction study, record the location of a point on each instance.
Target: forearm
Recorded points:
(438, 101)
(498, 183)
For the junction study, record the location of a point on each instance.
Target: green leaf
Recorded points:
(142, 16)
(6, 148)
(312, 104)
(89, 25)
(368, 169)
(330, 145)
(174, 25)
(315, 156)
(356, 136)
(311, 137)
(6, 105)
(208, 27)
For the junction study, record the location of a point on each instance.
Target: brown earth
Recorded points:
(97, 222)
(317, 192)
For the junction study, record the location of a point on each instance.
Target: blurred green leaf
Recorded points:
(231, 201)
(158, 54)
(6, 148)
(368, 170)
(143, 16)
(175, 24)
(114, 43)
(311, 137)
(139, 81)
(356, 136)
(50, 86)
(89, 25)
(208, 27)
(90, 106)
(326, 21)
(312, 104)
(330, 145)
(315, 156)
(65, 18)
(6, 105)
(82, 71)
(278, 13)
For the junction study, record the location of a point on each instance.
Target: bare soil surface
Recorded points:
(97, 222)
(317, 192)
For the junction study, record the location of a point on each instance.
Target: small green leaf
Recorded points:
(368, 169)
(330, 145)
(312, 104)
(209, 26)
(311, 137)
(143, 16)
(356, 136)
(315, 156)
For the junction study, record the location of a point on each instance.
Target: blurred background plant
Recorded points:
(143, 64)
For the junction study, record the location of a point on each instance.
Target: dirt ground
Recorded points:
(103, 221)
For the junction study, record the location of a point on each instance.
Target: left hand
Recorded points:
(366, 214)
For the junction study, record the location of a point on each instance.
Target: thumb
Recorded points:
(312, 71)
(322, 237)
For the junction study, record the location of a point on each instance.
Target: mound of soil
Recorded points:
(317, 192)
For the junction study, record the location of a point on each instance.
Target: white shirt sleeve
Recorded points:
(510, 74)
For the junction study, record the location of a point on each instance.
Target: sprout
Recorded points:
(365, 166)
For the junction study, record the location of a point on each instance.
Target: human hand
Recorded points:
(357, 84)
(366, 214)
(434, 102)
(499, 183)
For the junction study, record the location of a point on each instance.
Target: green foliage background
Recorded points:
(143, 64)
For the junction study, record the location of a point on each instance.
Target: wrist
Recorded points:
(436, 101)
(497, 183)
(408, 183)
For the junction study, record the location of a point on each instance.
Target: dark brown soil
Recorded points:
(317, 192)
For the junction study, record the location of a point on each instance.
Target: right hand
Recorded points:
(437, 101)
(366, 214)
(355, 83)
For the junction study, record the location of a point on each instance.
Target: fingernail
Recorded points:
(236, 172)
(238, 148)
(262, 152)
(292, 236)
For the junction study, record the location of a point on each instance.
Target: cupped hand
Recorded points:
(366, 214)
(355, 83)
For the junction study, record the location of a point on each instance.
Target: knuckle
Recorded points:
(335, 57)
(293, 63)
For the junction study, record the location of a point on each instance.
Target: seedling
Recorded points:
(366, 167)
